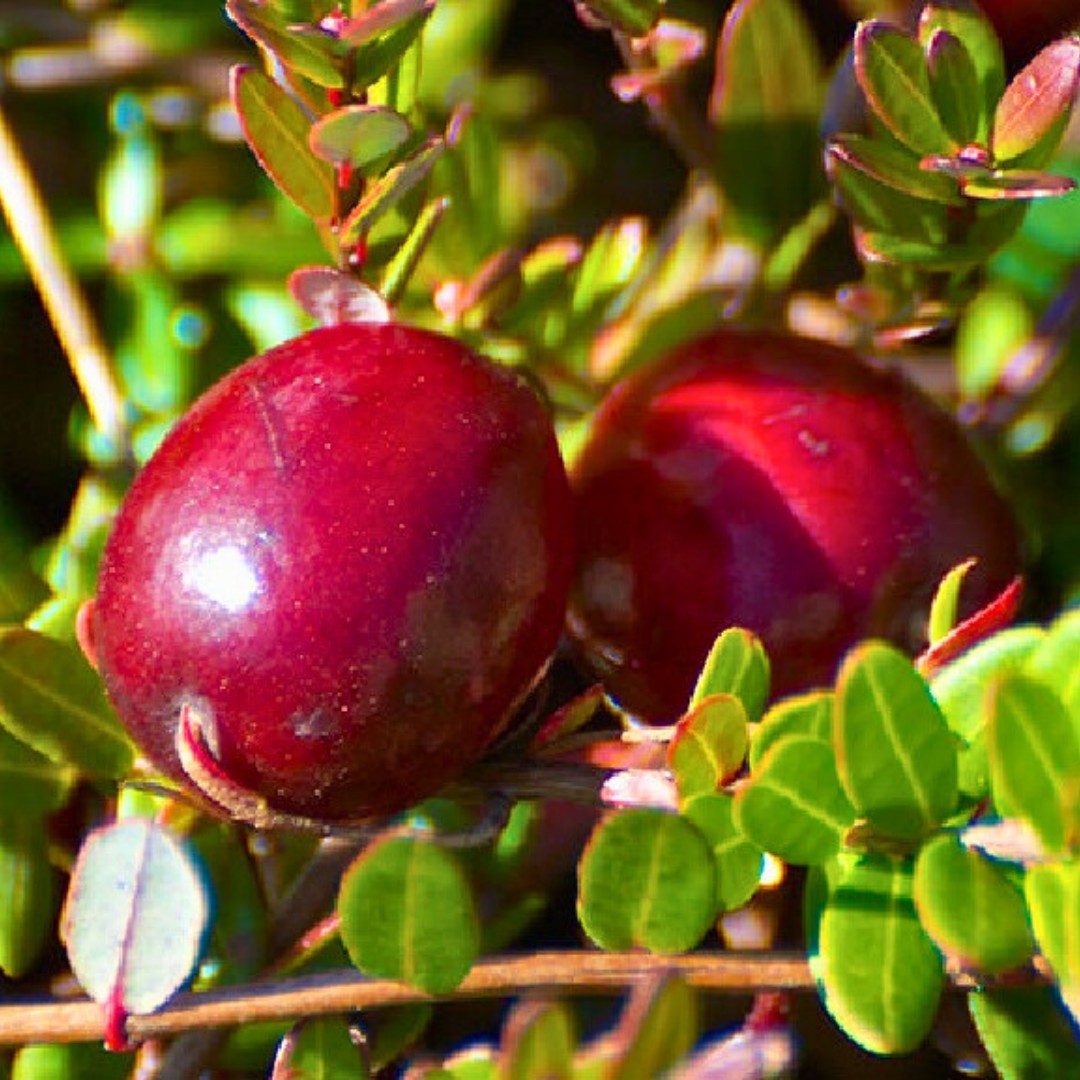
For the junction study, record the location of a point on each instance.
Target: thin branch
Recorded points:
(569, 972)
(32, 229)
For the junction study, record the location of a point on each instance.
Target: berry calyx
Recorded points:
(778, 484)
(330, 586)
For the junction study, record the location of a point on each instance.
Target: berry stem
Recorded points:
(31, 226)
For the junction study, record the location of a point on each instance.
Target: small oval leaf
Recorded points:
(709, 745)
(794, 806)
(363, 136)
(319, 1048)
(646, 880)
(135, 916)
(738, 862)
(429, 936)
(970, 908)
(27, 892)
(737, 664)
(804, 714)
(1053, 898)
(954, 85)
(896, 757)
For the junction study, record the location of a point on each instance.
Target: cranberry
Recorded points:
(779, 484)
(338, 574)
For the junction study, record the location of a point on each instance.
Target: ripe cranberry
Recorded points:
(778, 484)
(342, 568)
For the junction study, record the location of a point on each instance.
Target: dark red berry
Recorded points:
(343, 567)
(774, 483)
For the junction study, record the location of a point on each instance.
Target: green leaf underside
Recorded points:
(407, 913)
(277, 131)
(1036, 100)
(896, 757)
(1026, 1032)
(709, 745)
(135, 916)
(970, 908)
(27, 892)
(880, 975)
(968, 25)
(319, 1048)
(53, 701)
(891, 69)
(954, 86)
(805, 714)
(647, 879)
(1053, 899)
(794, 805)
(1034, 754)
(738, 861)
(737, 664)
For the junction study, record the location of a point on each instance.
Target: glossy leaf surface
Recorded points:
(896, 756)
(647, 880)
(429, 936)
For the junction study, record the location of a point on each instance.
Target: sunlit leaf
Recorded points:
(363, 136)
(738, 861)
(1053, 661)
(135, 916)
(429, 936)
(804, 714)
(709, 745)
(946, 599)
(315, 55)
(276, 129)
(319, 1048)
(1034, 752)
(896, 756)
(1026, 1032)
(538, 1040)
(880, 975)
(52, 700)
(973, 912)
(737, 664)
(1016, 184)
(647, 879)
(27, 892)
(1036, 100)
(657, 1029)
(794, 806)
(1053, 897)
(891, 68)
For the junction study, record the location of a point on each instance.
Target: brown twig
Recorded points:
(569, 972)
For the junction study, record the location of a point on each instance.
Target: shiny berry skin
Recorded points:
(349, 561)
(779, 484)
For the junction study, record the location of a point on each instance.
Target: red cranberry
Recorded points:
(343, 568)
(778, 484)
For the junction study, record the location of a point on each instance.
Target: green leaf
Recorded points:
(794, 806)
(538, 1041)
(31, 783)
(1016, 184)
(1037, 100)
(27, 892)
(377, 56)
(960, 688)
(881, 206)
(942, 619)
(389, 190)
(319, 1048)
(646, 880)
(738, 861)
(1034, 753)
(1053, 898)
(135, 916)
(765, 117)
(430, 935)
(1052, 660)
(657, 1029)
(891, 70)
(893, 167)
(52, 700)
(965, 21)
(737, 664)
(363, 136)
(709, 745)
(276, 129)
(880, 975)
(993, 325)
(897, 758)
(71, 1061)
(1026, 1032)
(804, 714)
(954, 86)
(973, 912)
(303, 49)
